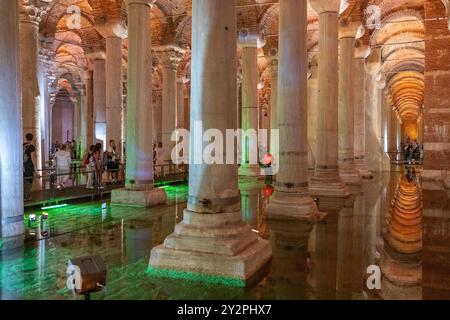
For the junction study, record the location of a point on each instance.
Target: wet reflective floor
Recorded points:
(395, 224)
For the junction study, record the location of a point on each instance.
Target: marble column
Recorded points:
(169, 57)
(30, 16)
(313, 90)
(11, 177)
(89, 110)
(83, 122)
(347, 168)
(291, 197)
(114, 31)
(273, 95)
(392, 131)
(361, 53)
(326, 181)
(250, 43)
(139, 188)
(212, 243)
(99, 82)
(180, 105)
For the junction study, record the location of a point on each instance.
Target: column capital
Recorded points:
(96, 55)
(33, 10)
(141, 2)
(273, 67)
(362, 52)
(81, 88)
(348, 28)
(113, 29)
(169, 56)
(447, 7)
(249, 39)
(322, 6)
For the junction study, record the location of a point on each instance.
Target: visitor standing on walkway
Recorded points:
(63, 161)
(28, 166)
(89, 162)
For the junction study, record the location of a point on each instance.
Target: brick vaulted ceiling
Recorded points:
(400, 37)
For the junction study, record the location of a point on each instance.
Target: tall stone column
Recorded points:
(30, 16)
(326, 181)
(291, 197)
(89, 110)
(392, 131)
(114, 31)
(83, 120)
(180, 105)
(99, 90)
(169, 57)
(212, 243)
(250, 43)
(346, 117)
(313, 89)
(359, 73)
(139, 188)
(11, 177)
(273, 96)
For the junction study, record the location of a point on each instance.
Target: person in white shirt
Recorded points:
(63, 161)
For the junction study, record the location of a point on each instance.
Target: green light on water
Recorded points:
(55, 206)
(191, 276)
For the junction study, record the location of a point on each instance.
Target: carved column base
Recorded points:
(217, 248)
(139, 198)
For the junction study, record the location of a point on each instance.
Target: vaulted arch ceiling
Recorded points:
(400, 37)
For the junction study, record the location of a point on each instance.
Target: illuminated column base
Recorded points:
(363, 168)
(139, 198)
(284, 205)
(249, 170)
(218, 248)
(350, 174)
(328, 184)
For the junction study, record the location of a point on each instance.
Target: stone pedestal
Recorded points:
(215, 247)
(11, 177)
(326, 180)
(213, 243)
(139, 198)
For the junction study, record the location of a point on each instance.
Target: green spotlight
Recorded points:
(55, 206)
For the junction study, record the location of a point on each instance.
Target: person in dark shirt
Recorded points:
(28, 166)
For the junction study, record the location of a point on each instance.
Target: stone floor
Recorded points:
(330, 262)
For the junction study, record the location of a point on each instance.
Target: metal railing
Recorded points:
(51, 184)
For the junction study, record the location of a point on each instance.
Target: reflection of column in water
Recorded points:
(12, 284)
(359, 264)
(250, 206)
(345, 251)
(290, 268)
(325, 259)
